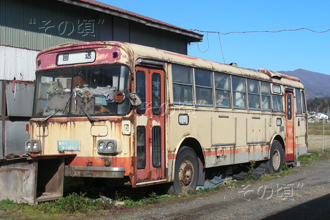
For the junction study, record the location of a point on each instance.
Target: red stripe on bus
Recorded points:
(125, 162)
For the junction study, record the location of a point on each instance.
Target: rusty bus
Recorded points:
(140, 116)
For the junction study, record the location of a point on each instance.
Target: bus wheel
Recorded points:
(186, 171)
(275, 163)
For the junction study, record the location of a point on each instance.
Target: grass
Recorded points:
(317, 128)
(77, 205)
(72, 204)
(307, 159)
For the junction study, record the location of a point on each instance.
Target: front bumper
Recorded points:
(94, 171)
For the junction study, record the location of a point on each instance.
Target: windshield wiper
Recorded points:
(90, 118)
(59, 109)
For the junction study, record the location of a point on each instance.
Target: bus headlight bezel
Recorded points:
(108, 147)
(32, 146)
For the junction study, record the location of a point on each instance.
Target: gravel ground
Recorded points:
(304, 194)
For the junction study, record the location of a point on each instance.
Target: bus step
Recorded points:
(290, 163)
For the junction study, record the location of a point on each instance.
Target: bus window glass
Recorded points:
(303, 101)
(253, 94)
(140, 89)
(265, 96)
(156, 94)
(182, 84)
(277, 103)
(141, 147)
(298, 101)
(289, 107)
(203, 81)
(156, 146)
(81, 90)
(222, 89)
(239, 90)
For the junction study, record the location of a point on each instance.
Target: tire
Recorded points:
(275, 163)
(186, 171)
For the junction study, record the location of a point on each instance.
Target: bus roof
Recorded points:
(151, 53)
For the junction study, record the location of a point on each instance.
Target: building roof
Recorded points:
(108, 9)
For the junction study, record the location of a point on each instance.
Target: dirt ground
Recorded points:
(304, 194)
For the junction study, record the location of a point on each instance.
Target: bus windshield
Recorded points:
(77, 91)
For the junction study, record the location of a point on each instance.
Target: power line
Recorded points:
(267, 31)
(208, 44)
(249, 32)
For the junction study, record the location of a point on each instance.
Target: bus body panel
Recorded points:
(225, 136)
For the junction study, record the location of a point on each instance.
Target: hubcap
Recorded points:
(186, 173)
(276, 159)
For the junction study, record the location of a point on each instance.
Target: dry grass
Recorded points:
(315, 137)
(319, 191)
(315, 142)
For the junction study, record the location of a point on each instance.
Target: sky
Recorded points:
(282, 51)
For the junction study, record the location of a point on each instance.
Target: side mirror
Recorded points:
(134, 99)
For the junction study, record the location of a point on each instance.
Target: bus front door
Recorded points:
(289, 142)
(150, 129)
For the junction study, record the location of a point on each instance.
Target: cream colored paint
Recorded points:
(141, 120)
(81, 131)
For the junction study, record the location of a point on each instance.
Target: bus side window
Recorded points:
(239, 92)
(303, 101)
(253, 94)
(222, 89)
(265, 96)
(182, 84)
(298, 101)
(203, 81)
(277, 103)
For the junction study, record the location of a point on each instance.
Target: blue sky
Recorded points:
(286, 51)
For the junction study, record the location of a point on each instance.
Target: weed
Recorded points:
(130, 203)
(307, 159)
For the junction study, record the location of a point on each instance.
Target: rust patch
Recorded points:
(148, 178)
(181, 55)
(132, 174)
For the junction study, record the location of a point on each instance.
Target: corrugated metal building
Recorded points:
(34, 25)
(28, 26)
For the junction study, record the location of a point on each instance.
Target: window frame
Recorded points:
(183, 84)
(244, 92)
(265, 95)
(254, 94)
(216, 89)
(204, 87)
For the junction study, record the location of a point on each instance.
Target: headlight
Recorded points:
(110, 146)
(32, 146)
(101, 146)
(107, 147)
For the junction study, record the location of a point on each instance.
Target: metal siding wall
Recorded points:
(38, 25)
(19, 99)
(15, 137)
(18, 63)
(145, 35)
(106, 33)
(120, 29)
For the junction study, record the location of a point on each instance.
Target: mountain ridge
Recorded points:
(316, 84)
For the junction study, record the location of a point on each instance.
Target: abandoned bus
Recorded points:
(139, 116)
